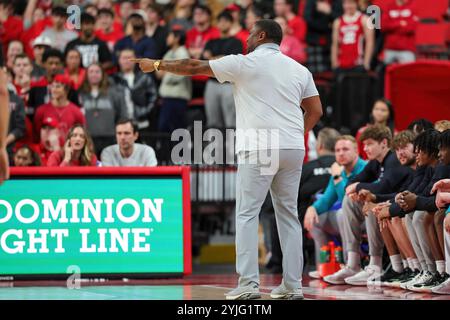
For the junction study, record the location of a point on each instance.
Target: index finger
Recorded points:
(137, 60)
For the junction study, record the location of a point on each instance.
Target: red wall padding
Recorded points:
(419, 90)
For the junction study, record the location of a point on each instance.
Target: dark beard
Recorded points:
(88, 34)
(138, 28)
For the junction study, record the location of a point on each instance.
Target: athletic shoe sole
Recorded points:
(287, 296)
(337, 282)
(357, 283)
(244, 296)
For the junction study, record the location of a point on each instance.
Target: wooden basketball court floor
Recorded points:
(192, 287)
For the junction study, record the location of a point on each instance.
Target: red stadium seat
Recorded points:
(431, 10)
(418, 90)
(431, 37)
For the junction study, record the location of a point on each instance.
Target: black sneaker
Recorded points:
(410, 276)
(395, 282)
(389, 276)
(443, 277)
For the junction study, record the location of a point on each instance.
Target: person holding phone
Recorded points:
(78, 150)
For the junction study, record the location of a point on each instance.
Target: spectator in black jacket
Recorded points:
(402, 246)
(142, 45)
(434, 224)
(155, 30)
(418, 221)
(140, 92)
(319, 16)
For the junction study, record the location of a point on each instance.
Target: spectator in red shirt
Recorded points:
(382, 114)
(399, 23)
(196, 39)
(290, 45)
(59, 107)
(25, 156)
(40, 91)
(74, 69)
(352, 40)
(15, 48)
(201, 33)
(51, 139)
(22, 69)
(297, 26)
(35, 21)
(11, 26)
(108, 31)
(78, 150)
(237, 30)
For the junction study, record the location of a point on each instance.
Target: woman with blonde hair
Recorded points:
(78, 150)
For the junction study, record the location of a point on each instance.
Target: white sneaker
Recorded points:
(281, 292)
(426, 276)
(314, 274)
(340, 276)
(368, 275)
(443, 288)
(248, 292)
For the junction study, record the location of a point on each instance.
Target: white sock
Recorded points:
(354, 260)
(410, 263)
(405, 263)
(416, 264)
(396, 261)
(424, 266)
(376, 261)
(440, 266)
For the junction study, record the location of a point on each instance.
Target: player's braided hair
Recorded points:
(445, 139)
(428, 142)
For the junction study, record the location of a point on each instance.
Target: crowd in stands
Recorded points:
(67, 74)
(77, 100)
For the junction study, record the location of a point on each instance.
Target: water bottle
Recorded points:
(339, 255)
(324, 254)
